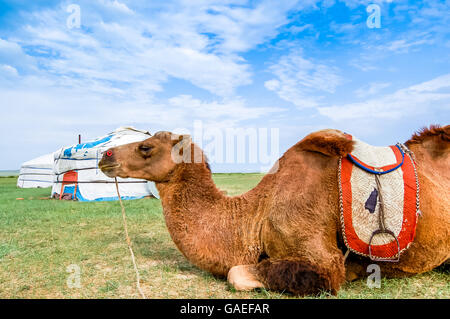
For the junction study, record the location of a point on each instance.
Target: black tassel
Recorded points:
(371, 202)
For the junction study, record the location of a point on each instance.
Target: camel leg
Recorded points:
(243, 277)
(299, 276)
(357, 269)
(354, 270)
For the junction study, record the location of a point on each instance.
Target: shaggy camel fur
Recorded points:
(284, 234)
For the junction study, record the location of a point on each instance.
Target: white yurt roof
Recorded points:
(41, 161)
(37, 172)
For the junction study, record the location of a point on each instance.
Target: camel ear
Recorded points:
(328, 142)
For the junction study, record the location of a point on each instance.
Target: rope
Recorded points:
(124, 217)
(100, 182)
(346, 255)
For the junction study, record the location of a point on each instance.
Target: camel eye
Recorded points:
(145, 149)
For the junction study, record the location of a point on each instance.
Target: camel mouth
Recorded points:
(109, 169)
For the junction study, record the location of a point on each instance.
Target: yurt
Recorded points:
(37, 172)
(78, 177)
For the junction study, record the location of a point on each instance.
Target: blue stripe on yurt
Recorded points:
(102, 199)
(69, 190)
(108, 199)
(76, 159)
(68, 151)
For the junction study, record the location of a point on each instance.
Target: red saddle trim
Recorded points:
(407, 233)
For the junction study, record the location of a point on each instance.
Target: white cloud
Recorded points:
(410, 101)
(230, 112)
(295, 29)
(8, 71)
(301, 81)
(403, 46)
(131, 59)
(12, 54)
(343, 28)
(433, 85)
(371, 89)
(352, 4)
(120, 46)
(240, 27)
(371, 58)
(120, 6)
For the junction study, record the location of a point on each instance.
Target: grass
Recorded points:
(8, 173)
(40, 238)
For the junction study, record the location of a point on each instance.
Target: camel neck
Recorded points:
(206, 225)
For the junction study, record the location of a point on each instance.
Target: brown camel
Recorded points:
(284, 234)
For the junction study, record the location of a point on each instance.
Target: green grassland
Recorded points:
(40, 238)
(8, 173)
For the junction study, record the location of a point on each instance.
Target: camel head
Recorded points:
(152, 159)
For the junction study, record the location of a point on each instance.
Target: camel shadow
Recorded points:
(444, 268)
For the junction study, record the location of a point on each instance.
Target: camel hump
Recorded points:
(440, 135)
(328, 142)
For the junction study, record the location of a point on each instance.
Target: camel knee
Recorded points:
(243, 278)
(299, 277)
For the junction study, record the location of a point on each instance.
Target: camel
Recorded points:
(285, 233)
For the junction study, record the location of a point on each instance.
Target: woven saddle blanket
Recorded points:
(362, 196)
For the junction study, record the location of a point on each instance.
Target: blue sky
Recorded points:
(298, 66)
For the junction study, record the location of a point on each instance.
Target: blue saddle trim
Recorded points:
(376, 172)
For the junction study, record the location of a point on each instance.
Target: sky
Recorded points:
(294, 66)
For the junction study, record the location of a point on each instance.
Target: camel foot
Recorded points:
(299, 277)
(243, 278)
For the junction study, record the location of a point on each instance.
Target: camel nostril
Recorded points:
(109, 153)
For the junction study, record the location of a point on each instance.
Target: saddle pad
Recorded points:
(360, 199)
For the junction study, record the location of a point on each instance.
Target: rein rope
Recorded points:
(382, 227)
(124, 217)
